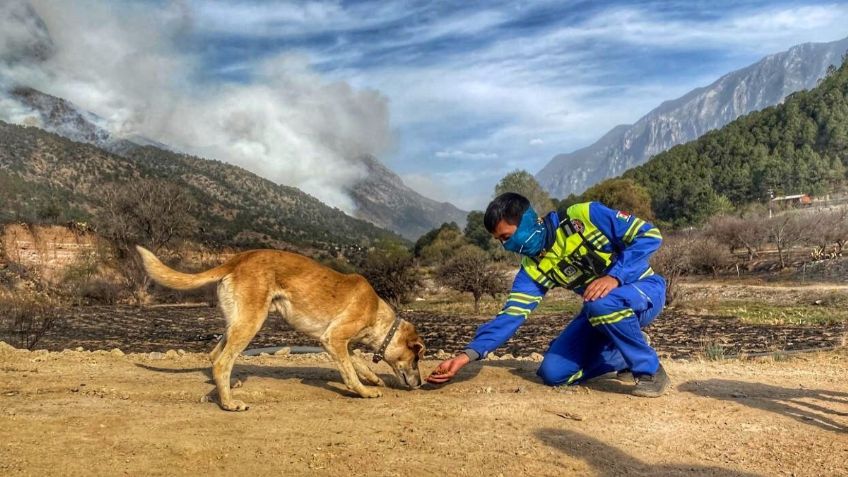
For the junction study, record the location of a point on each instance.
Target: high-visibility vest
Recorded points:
(575, 258)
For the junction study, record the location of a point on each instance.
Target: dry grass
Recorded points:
(769, 314)
(556, 302)
(26, 316)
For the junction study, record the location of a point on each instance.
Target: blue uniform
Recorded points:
(606, 335)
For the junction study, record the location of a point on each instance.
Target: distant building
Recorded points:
(797, 200)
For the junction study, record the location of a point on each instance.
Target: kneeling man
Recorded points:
(597, 252)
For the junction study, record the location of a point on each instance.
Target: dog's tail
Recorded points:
(168, 277)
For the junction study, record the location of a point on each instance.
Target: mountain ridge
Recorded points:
(676, 121)
(238, 207)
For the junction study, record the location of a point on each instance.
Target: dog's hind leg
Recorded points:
(227, 303)
(251, 310)
(335, 340)
(365, 373)
(213, 355)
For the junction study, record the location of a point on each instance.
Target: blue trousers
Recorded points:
(607, 336)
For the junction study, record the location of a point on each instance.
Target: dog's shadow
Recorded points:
(327, 379)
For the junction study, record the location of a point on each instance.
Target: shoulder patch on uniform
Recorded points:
(622, 215)
(578, 225)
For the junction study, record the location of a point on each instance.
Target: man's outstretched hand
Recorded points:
(600, 288)
(448, 369)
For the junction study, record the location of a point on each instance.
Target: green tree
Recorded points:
(622, 194)
(430, 236)
(476, 233)
(522, 182)
(444, 246)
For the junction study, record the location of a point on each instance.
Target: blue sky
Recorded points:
(477, 89)
(474, 89)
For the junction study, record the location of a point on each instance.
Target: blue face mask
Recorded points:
(529, 237)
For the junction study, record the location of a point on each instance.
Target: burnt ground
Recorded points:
(196, 328)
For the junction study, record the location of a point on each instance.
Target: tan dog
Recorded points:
(338, 310)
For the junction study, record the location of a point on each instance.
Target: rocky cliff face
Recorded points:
(384, 200)
(755, 87)
(46, 251)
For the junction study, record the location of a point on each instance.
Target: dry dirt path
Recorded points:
(94, 413)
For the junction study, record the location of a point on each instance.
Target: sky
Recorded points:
(450, 95)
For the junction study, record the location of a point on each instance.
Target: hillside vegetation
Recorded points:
(44, 177)
(800, 146)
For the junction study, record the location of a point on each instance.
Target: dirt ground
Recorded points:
(102, 413)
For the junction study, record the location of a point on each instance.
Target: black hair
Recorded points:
(508, 206)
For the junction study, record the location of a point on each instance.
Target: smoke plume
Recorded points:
(136, 67)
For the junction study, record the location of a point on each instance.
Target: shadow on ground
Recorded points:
(526, 370)
(327, 379)
(610, 461)
(815, 407)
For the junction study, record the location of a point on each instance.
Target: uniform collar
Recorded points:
(551, 221)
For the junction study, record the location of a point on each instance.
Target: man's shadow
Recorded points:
(794, 403)
(610, 461)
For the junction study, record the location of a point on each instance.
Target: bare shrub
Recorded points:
(828, 228)
(672, 261)
(149, 212)
(747, 232)
(471, 271)
(786, 230)
(707, 256)
(25, 318)
(84, 283)
(392, 273)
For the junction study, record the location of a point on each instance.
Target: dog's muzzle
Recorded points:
(412, 379)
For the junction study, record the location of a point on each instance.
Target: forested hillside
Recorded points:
(800, 146)
(45, 177)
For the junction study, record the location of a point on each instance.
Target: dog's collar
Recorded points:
(380, 354)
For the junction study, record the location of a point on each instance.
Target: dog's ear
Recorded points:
(417, 347)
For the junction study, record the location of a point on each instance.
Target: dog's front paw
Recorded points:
(370, 393)
(235, 405)
(375, 381)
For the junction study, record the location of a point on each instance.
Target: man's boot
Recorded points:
(625, 376)
(655, 385)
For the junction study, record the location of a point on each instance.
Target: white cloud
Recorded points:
(536, 141)
(761, 30)
(465, 155)
(286, 123)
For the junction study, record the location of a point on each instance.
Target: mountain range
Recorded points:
(381, 197)
(760, 85)
(40, 171)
